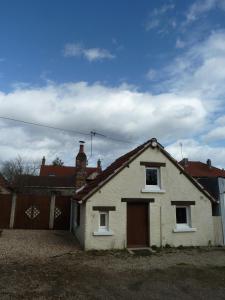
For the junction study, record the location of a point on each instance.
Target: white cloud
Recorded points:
(180, 44)
(151, 74)
(215, 134)
(121, 112)
(91, 54)
(200, 7)
(199, 71)
(197, 151)
(97, 54)
(158, 18)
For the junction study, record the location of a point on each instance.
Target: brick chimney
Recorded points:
(43, 161)
(81, 164)
(184, 162)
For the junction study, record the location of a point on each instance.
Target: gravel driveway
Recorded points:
(41, 244)
(50, 265)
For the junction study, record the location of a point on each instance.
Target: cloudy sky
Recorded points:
(129, 70)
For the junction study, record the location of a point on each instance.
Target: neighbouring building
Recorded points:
(44, 201)
(213, 181)
(142, 199)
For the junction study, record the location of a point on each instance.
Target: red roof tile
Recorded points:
(89, 189)
(199, 169)
(49, 170)
(24, 181)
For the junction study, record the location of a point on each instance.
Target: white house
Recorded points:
(144, 198)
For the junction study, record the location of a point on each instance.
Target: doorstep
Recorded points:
(141, 251)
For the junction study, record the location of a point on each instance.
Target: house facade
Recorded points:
(213, 180)
(144, 198)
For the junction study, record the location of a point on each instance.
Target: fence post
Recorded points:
(13, 210)
(52, 212)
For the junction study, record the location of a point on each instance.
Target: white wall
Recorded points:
(128, 184)
(79, 230)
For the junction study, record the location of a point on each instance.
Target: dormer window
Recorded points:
(152, 178)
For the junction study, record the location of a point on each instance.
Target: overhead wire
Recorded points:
(90, 134)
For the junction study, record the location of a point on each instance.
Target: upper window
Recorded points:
(183, 218)
(153, 177)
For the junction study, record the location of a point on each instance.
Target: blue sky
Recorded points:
(128, 69)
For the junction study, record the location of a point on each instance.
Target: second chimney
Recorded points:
(209, 163)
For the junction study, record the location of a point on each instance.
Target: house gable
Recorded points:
(124, 161)
(129, 183)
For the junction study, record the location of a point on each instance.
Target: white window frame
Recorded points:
(188, 216)
(152, 186)
(103, 230)
(106, 227)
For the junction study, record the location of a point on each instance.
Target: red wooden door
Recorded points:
(62, 212)
(5, 210)
(32, 212)
(137, 225)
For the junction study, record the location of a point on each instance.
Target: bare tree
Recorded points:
(57, 162)
(10, 169)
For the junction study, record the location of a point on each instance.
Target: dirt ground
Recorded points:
(50, 265)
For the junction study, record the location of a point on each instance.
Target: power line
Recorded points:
(46, 126)
(92, 133)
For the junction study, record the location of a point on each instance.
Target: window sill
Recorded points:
(188, 229)
(152, 190)
(103, 233)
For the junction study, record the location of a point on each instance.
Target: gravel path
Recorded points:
(41, 244)
(196, 257)
(50, 265)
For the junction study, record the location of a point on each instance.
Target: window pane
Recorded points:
(181, 213)
(151, 177)
(102, 220)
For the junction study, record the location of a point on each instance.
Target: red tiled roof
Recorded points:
(199, 169)
(89, 189)
(48, 170)
(24, 181)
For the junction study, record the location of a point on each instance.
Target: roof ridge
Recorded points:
(112, 169)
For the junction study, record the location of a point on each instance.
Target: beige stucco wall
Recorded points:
(128, 184)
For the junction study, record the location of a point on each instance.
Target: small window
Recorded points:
(152, 177)
(103, 221)
(183, 216)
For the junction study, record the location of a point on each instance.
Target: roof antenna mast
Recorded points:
(93, 133)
